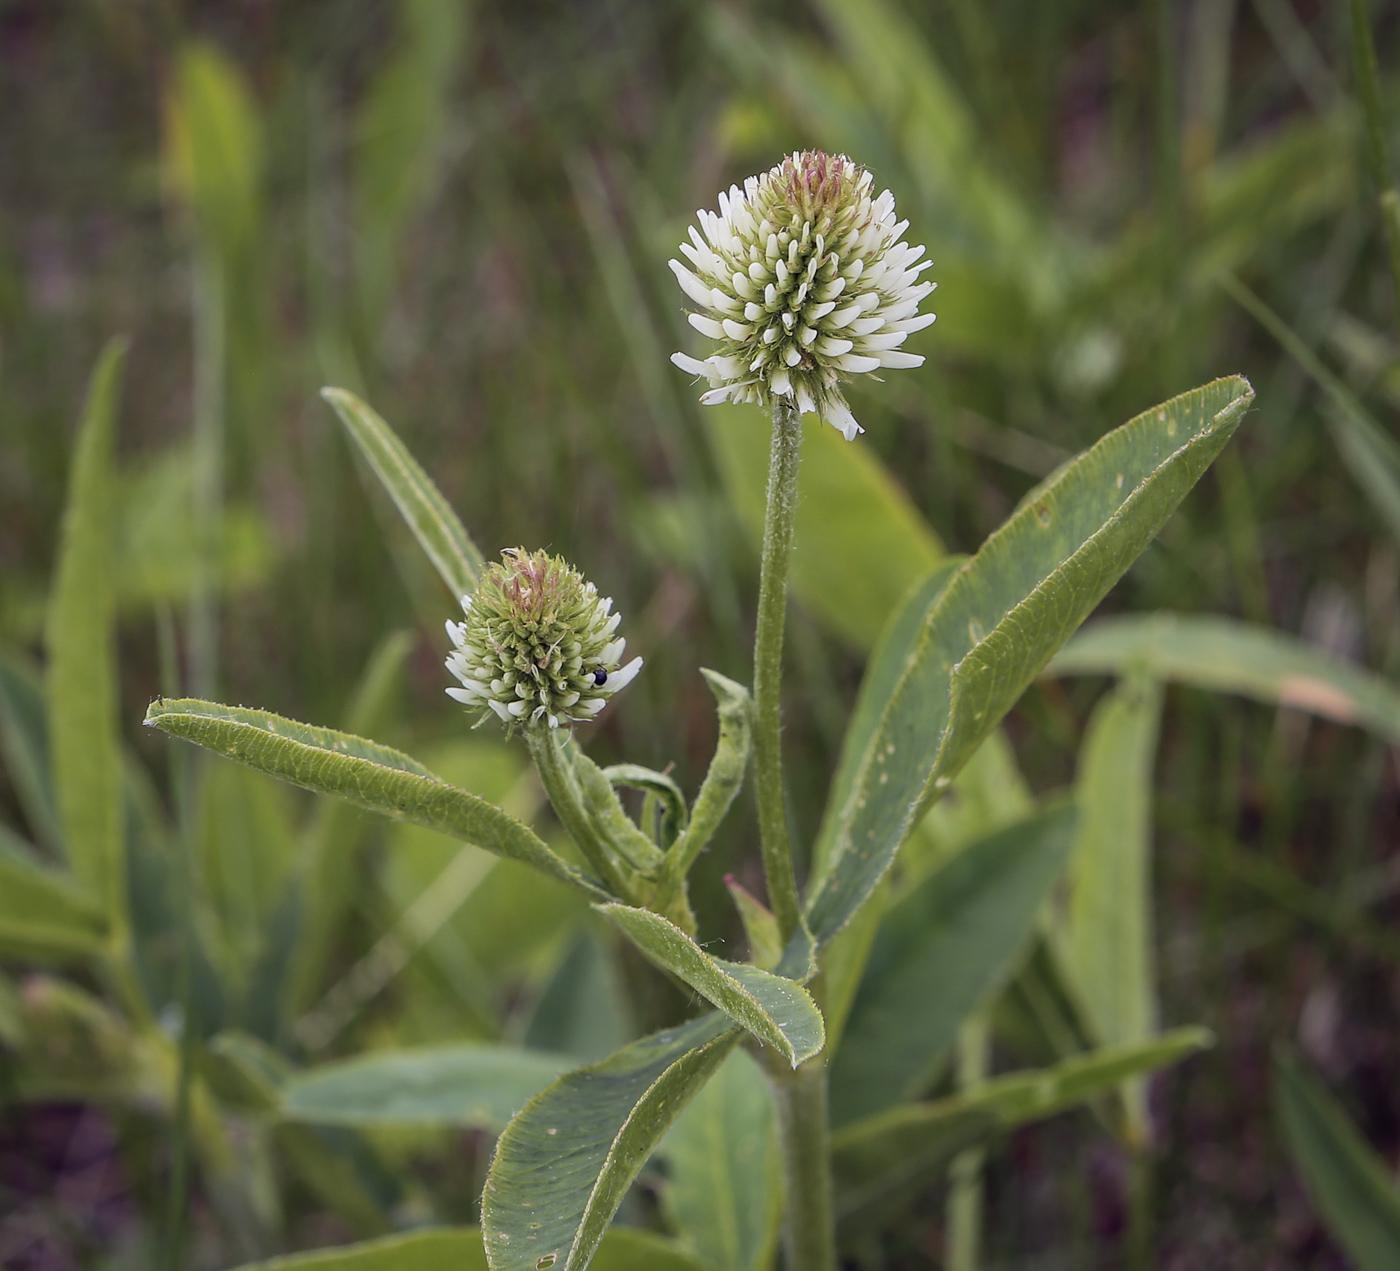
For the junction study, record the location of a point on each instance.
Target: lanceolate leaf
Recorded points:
(723, 1186)
(565, 1162)
(82, 677)
(1350, 1183)
(362, 772)
(42, 914)
(881, 1153)
(478, 1085)
(775, 1010)
(1108, 932)
(1234, 657)
(427, 513)
(942, 950)
(882, 674)
(1004, 615)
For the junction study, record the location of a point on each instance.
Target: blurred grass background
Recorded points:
(463, 212)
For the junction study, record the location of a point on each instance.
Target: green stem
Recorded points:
(965, 1173)
(557, 777)
(804, 1138)
(768, 667)
(1377, 157)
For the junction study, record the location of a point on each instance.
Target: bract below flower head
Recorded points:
(802, 278)
(537, 645)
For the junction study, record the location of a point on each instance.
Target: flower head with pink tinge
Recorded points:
(803, 280)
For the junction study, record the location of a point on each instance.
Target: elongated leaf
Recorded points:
(1005, 614)
(24, 745)
(1234, 657)
(860, 542)
(722, 1179)
(42, 914)
(427, 513)
(1349, 1182)
(883, 1153)
(1108, 929)
(362, 772)
(482, 1086)
(564, 1164)
(82, 675)
(942, 950)
(461, 1249)
(775, 1010)
(893, 650)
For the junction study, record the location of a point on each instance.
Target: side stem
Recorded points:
(768, 667)
(809, 1219)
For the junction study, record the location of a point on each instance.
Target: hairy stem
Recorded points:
(809, 1220)
(768, 666)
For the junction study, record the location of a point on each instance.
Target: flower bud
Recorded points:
(802, 279)
(536, 646)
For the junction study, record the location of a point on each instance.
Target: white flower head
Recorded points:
(538, 644)
(802, 278)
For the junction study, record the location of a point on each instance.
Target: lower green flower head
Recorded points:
(536, 646)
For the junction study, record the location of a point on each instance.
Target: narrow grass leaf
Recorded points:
(477, 1085)
(886, 1152)
(1004, 615)
(1371, 453)
(433, 522)
(722, 1178)
(1107, 936)
(43, 915)
(1348, 1181)
(860, 541)
(364, 773)
(944, 949)
(461, 1249)
(24, 745)
(563, 1165)
(777, 1011)
(81, 681)
(1235, 657)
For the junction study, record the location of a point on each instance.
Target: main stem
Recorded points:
(768, 667)
(809, 1220)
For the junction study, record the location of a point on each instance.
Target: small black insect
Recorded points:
(600, 677)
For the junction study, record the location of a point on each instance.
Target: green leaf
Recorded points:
(477, 1085)
(1107, 937)
(24, 743)
(461, 1249)
(42, 914)
(724, 776)
(943, 950)
(427, 513)
(893, 650)
(1234, 657)
(722, 1178)
(860, 542)
(1003, 616)
(213, 146)
(565, 1162)
(892, 1149)
(81, 681)
(362, 772)
(1349, 1182)
(775, 1010)
(761, 928)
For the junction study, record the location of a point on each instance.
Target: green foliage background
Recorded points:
(463, 214)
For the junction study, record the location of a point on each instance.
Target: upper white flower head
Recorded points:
(802, 279)
(538, 644)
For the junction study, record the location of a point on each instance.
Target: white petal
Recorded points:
(736, 330)
(839, 416)
(624, 675)
(690, 284)
(612, 652)
(500, 710)
(882, 340)
(717, 395)
(462, 695)
(690, 365)
(833, 346)
(780, 383)
(897, 359)
(856, 364)
(591, 707)
(706, 326)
